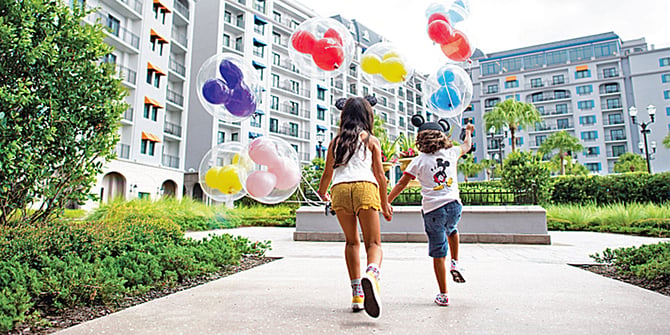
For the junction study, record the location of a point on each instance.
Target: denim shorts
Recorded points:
(439, 224)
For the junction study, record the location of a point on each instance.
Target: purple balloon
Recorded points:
(242, 102)
(230, 73)
(215, 91)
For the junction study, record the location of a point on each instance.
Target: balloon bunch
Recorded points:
(320, 44)
(453, 42)
(227, 88)
(386, 67)
(276, 173)
(450, 90)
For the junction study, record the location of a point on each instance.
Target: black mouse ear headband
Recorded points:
(372, 100)
(445, 125)
(339, 103)
(419, 122)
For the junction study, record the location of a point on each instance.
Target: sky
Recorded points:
(499, 25)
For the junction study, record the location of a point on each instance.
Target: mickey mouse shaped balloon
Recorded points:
(321, 45)
(450, 91)
(384, 65)
(442, 23)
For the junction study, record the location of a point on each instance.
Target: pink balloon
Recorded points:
(263, 152)
(287, 173)
(261, 183)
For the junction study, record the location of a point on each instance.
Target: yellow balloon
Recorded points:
(390, 54)
(212, 177)
(243, 162)
(229, 180)
(393, 70)
(236, 158)
(371, 64)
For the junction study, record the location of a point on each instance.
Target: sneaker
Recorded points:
(371, 291)
(456, 272)
(442, 299)
(357, 303)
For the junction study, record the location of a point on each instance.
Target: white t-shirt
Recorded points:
(438, 177)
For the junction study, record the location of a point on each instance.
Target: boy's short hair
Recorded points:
(430, 141)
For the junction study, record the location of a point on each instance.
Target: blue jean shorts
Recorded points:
(439, 224)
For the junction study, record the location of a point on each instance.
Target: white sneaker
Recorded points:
(456, 272)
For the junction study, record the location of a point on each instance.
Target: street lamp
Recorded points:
(498, 138)
(651, 110)
(320, 137)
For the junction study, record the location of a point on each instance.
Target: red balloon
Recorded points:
(440, 32)
(328, 54)
(458, 48)
(437, 16)
(303, 41)
(332, 33)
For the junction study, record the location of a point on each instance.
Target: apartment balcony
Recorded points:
(122, 151)
(172, 128)
(287, 131)
(547, 98)
(303, 113)
(129, 8)
(553, 127)
(180, 38)
(127, 117)
(615, 138)
(614, 154)
(299, 92)
(175, 98)
(182, 9)
(117, 35)
(127, 75)
(290, 68)
(608, 75)
(612, 107)
(550, 113)
(177, 67)
(170, 161)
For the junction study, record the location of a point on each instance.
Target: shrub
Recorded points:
(523, 171)
(628, 187)
(650, 261)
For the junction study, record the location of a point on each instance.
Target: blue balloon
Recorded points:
(445, 77)
(454, 16)
(242, 102)
(434, 8)
(446, 98)
(215, 91)
(231, 73)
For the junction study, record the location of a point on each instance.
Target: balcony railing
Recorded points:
(297, 112)
(290, 132)
(120, 32)
(615, 137)
(180, 37)
(181, 9)
(175, 97)
(172, 128)
(170, 161)
(177, 67)
(122, 151)
(128, 114)
(613, 122)
(126, 74)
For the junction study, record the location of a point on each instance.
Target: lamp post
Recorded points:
(320, 137)
(498, 138)
(651, 110)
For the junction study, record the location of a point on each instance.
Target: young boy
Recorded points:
(435, 168)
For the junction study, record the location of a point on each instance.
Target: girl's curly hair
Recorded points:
(430, 141)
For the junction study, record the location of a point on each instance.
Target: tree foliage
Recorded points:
(59, 107)
(468, 168)
(524, 171)
(630, 162)
(512, 114)
(666, 141)
(564, 143)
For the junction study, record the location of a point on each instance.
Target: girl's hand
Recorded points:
(470, 127)
(324, 197)
(387, 211)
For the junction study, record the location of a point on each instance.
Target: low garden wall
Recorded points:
(479, 224)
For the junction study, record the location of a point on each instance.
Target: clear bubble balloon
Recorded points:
(321, 45)
(228, 87)
(273, 169)
(385, 66)
(219, 172)
(448, 26)
(449, 91)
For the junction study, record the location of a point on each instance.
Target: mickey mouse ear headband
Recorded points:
(441, 125)
(339, 103)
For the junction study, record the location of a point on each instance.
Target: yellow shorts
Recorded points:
(352, 197)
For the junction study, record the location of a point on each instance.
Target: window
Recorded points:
(293, 129)
(665, 78)
(147, 147)
(516, 97)
(611, 88)
(490, 68)
(109, 58)
(539, 139)
(144, 195)
(593, 167)
(295, 86)
(610, 73)
(220, 137)
(259, 27)
(581, 53)
(114, 25)
(227, 17)
(613, 103)
(260, 71)
(259, 49)
(365, 91)
(582, 74)
(276, 16)
(274, 102)
(293, 107)
(491, 102)
(256, 121)
(274, 125)
(275, 80)
(511, 65)
(664, 61)
(321, 94)
(238, 43)
(536, 82)
(401, 121)
(615, 118)
(541, 110)
(535, 97)
(563, 124)
(150, 112)
(557, 57)
(491, 89)
(617, 134)
(591, 151)
(587, 120)
(512, 84)
(667, 111)
(666, 94)
(352, 88)
(533, 61)
(586, 104)
(276, 58)
(562, 109)
(589, 135)
(235, 137)
(558, 79)
(259, 5)
(320, 114)
(560, 95)
(240, 21)
(226, 40)
(618, 150)
(401, 106)
(583, 90)
(606, 49)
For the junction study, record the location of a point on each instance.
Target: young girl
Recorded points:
(435, 168)
(354, 165)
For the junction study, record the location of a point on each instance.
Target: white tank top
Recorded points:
(359, 167)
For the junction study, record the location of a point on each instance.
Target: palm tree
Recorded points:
(513, 115)
(468, 168)
(562, 141)
(630, 162)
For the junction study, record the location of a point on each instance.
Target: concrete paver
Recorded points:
(518, 289)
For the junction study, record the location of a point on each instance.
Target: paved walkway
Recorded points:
(511, 289)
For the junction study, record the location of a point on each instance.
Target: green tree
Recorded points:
(492, 168)
(524, 171)
(630, 162)
(468, 168)
(564, 143)
(571, 168)
(59, 108)
(512, 114)
(666, 141)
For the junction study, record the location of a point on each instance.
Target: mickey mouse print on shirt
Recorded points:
(440, 174)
